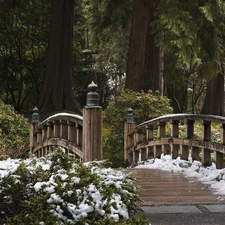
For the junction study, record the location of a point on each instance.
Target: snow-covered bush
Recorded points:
(59, 189)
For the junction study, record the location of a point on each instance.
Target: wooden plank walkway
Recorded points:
(165, 188)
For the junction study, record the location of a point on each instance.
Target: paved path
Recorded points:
(171, 199)
(159, 187)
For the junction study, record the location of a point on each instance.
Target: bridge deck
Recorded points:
(165, 188)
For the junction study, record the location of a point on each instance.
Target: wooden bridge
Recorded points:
(62, 129)
(80, 136)
(175, 134)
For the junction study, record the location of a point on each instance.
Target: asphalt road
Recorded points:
(185, 214)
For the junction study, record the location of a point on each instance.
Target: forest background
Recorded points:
(51, 51)
(157, 57)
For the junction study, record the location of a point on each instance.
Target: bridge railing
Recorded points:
(152, 138)
(62, 129)
(80, 136)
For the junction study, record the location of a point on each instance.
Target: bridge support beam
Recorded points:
(92, 126)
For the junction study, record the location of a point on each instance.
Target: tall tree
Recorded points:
(23, 39)
(193, 44)
(214, 101)
(145, 65)
(57, 93)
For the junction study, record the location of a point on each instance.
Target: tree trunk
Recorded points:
(214, 101)
(145, 65)
(56, 93)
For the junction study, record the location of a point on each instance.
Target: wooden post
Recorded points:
(33, 127)
(149, 133)
(174, 134)
(206, 136)
(63, 129)
(92, 126)
(162, 134)
(195, 153)
(218, 157)
(128, 140)
(189, 134)
(157, 149)
(222, 133)
(71, 131)
(189, 128)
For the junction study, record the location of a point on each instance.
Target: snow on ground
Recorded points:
(207, 175)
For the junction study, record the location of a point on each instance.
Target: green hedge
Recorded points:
(14, 132)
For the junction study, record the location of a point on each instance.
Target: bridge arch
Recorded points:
(62, 129)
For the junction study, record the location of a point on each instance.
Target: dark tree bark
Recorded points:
(145, 65)
(56, 93)
(214, 101)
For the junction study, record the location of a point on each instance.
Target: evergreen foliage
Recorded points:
(192, 38)
(145, 106)
(23, 40)
(14, 132)
(109, 27)
(58, 188)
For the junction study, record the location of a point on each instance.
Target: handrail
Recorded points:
(61, 129)
(140, 140)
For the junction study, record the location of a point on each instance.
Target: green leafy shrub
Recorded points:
(145, 106)
(14, 132)
(58, 188)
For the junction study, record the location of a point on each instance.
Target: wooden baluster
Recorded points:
(56, 129)
(144, 154)
(149, 138)
(138, 137)
(135, 156)
(71, 131)
(195, 153)
(63, 130)
(174, 134)
(45, 151)
(149, 133)
(189, 135)
(218, 156)
(49, 130)
(80, 137)
(161, 129)
(206, 136)
(44, 133)
(39, 135)
(189, 128)
(76, 134)
(162, 134)
(157, 151)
